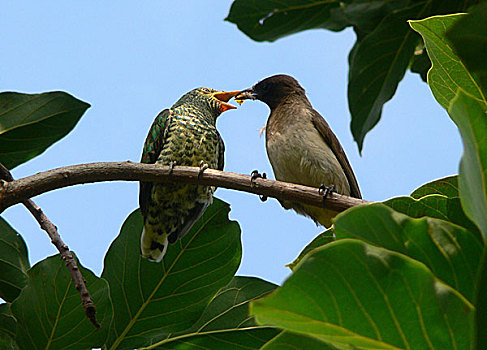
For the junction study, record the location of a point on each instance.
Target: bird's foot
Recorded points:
(203, 167)
(325, 191)
(255, 175)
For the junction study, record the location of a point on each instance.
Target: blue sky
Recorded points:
(131, 61)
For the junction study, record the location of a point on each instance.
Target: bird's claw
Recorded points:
(325, 191)
(255, 175)
(203, 167)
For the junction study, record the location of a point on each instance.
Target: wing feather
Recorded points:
(152, 147)
(221, 153)
(332, 141)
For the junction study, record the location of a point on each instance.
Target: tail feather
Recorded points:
(153, 246)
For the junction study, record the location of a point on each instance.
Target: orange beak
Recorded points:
(224, 97)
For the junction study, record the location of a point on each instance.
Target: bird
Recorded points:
(301, 146)
(184, 134)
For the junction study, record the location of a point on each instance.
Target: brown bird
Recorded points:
(300, 145)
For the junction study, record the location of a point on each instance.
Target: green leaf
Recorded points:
(469, 38)
(377, 66)
(8, 327)
(448, 72)
(470, 116)
(226, 322)
(14, 262)
(29, 123)
(481, 304)
(421, 64)
(439, 199)
(153, 300)
(294, 341)
(49, 311)
(447, 186)
(350, 293)
(269, 20)
(450, 252)
(323, 238)
(435, 206)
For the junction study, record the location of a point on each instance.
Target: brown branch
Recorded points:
(63, 249)
(16, 191)
(19, 191)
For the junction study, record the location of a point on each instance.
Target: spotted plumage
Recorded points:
(184, 134)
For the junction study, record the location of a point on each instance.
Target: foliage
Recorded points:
(13, 264)
(48, 312)
(368, 297)
(410, 272)
(33, 122)
(153, 301)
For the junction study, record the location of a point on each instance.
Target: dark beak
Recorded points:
(247, 94)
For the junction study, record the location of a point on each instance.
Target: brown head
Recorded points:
(272, 90)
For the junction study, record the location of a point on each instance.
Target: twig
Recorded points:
(63, 249)
(16, 191)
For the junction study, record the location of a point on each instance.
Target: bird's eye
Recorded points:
(205, 90)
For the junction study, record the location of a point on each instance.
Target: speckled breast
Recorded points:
(188, 141)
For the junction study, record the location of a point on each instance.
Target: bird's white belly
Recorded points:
(304, 158)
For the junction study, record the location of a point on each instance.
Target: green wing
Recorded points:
(221, 153)
(152, 147)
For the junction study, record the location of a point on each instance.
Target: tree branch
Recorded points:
(18, 190)
(63, 249)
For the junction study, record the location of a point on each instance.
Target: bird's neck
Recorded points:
(287, 114)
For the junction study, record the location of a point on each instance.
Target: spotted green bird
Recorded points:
(184, 134)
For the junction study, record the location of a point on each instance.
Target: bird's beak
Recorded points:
(247, 94)
(224, 97)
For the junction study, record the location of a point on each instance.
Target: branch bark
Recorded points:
(63, 249)
(19, 190)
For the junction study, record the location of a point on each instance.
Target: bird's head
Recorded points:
(211, 100)
(272, 90)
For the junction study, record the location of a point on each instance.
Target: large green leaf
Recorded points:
(294, 341)
(323, 238)
(420, 64)
(226, 323)
(154, 300)
(350, 293)
(49, 311)
(447, 186)
(448, 72)
(14, 262)
(481, 305)
(436, 206)
(29, 123)
(270, 19)
(451, 252)
(470, 116)
(439, 199)
(469, 37)
(8, 327)
(377, 65)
